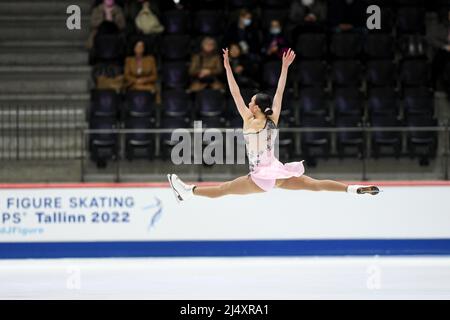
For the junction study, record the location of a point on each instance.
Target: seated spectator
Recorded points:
(147, 22)
(346, 15)
(275, 43)
(108, 77)
(438, 36)
(305, 16)
(140, 70)
(107, 17)
(133, 7)
(206, 67)
(245, 34)
(244, 71)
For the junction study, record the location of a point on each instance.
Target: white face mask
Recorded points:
(247, 22)
(275, 31)
(307, 3)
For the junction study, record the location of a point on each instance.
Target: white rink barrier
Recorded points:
(120, 220)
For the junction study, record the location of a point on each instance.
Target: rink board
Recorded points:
(140, 220)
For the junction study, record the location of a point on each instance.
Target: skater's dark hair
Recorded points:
(264, 102)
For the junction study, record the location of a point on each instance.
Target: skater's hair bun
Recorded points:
(264, 102)
(268, 111)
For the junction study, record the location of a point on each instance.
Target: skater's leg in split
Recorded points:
(242, 185)
(307, 183)
(245, 185)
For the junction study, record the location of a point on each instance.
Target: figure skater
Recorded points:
(260, 131)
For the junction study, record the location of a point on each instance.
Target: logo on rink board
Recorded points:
(33, 212)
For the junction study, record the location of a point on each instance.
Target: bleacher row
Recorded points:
(378, 78)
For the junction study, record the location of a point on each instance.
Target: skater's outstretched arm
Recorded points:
(234, 89)
(288, 58)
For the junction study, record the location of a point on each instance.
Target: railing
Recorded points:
(33, 133)
(40, 133)
(442, 148)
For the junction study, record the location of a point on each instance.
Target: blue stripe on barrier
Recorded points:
(353, 247)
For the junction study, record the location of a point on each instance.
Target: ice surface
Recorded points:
(227, 278)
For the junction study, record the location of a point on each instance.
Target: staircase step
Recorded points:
(12, 105)
(45, 8)
(39, 155)
(39, 116)
(39, 128)
(43, 33)
(32, 140)
(56, 57)
(40, 45)
(79, 70)
(55, 21)
(44, 99)
(44, 83)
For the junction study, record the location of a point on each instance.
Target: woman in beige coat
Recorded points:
(140, 70)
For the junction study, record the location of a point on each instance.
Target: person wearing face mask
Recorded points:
(305, 16)
(107, 17)
(244, 33)
(275, 43)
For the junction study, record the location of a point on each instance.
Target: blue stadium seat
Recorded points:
(210, 103)
(108, 48)
(140, 104)
(411, 20)
(385, 143)
(349, 143)
(103, 146)
(381, 73)
(379, 46)
(104, 103)
(346, 45)
(383, 102)
(139, 144)
(175, 75)
(415, 73)
(209, 22)
(418, 101)
(176, 47)
(271, 73)
(176, 22)
(315, 144)
(422, 144)
(176, 103)
(346, 73)
(313, 103)
(311, 73)
(311, 45)
(348, 102)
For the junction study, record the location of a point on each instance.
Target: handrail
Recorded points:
(295, 130)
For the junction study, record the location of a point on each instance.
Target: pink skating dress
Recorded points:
(265, 168)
